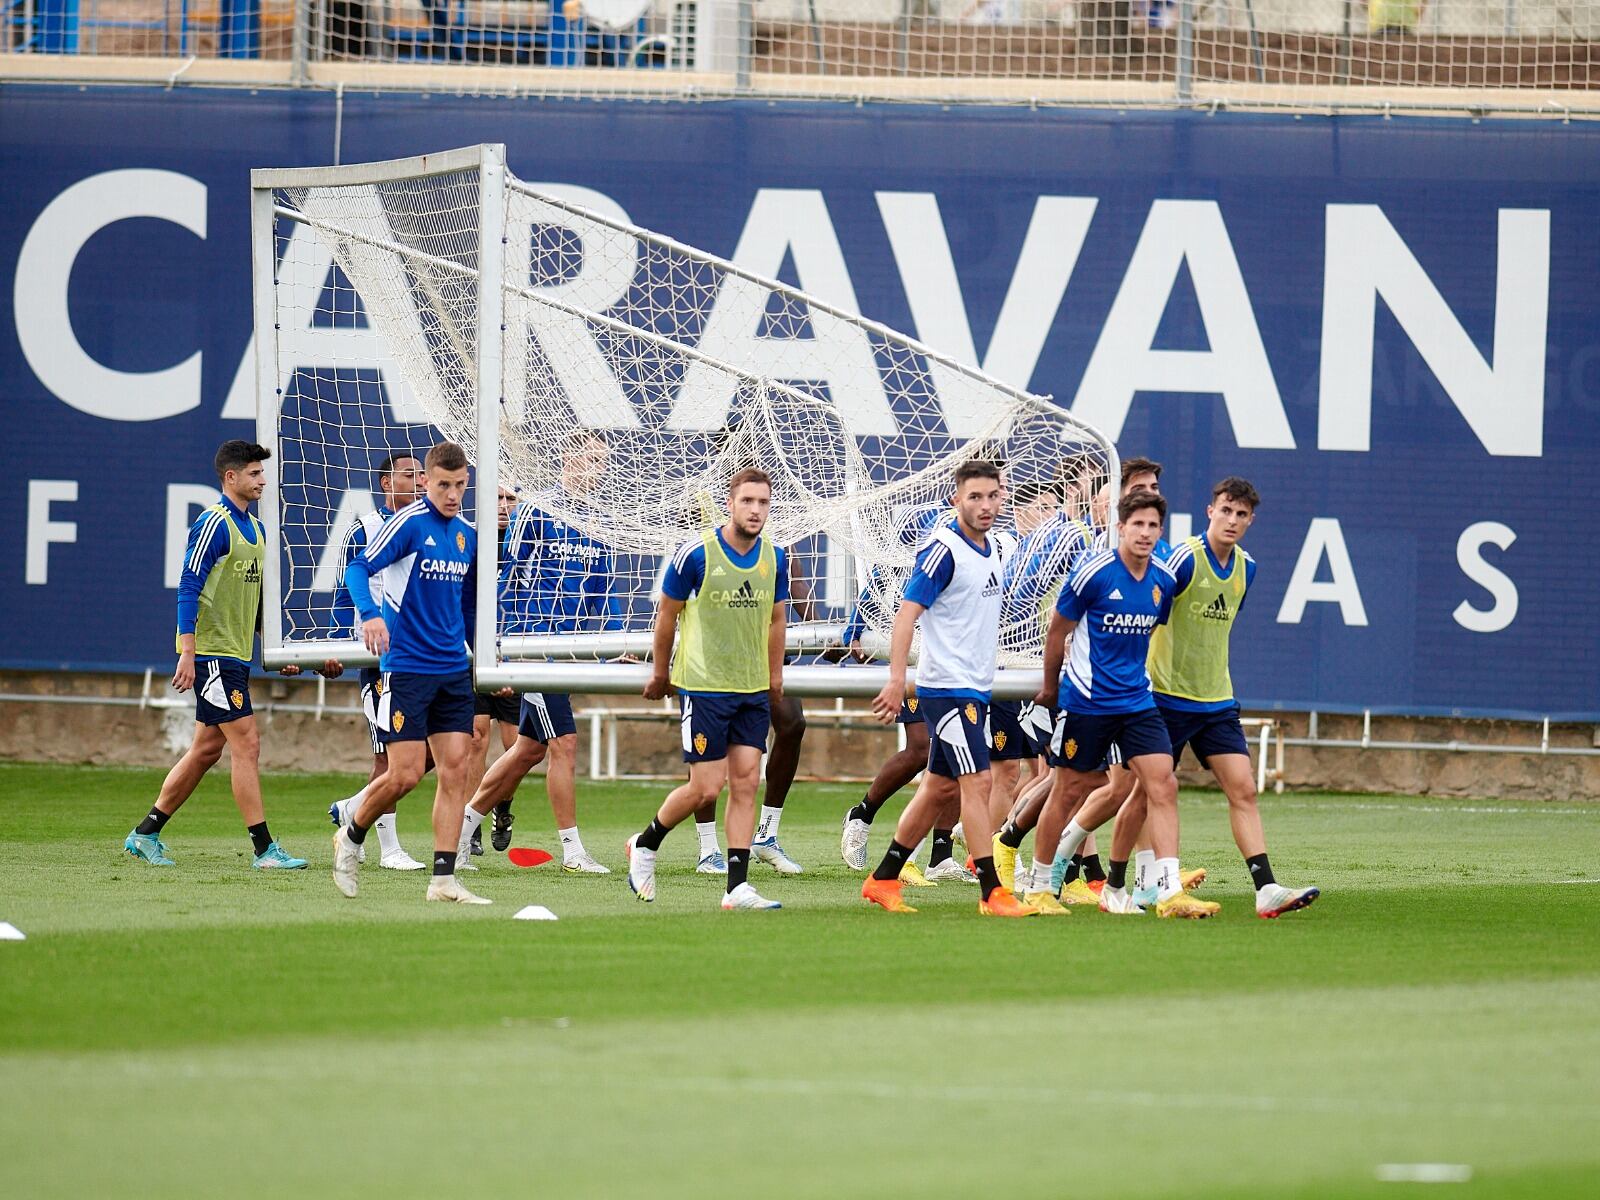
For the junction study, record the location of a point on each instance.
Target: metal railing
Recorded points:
(1394, 55)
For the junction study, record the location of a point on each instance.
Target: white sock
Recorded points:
(769, 822)
(1144, 869)
(1168, 884)
(470, 820)
(1041, 876)
(388, 837)
(958, 834)
(916, 851)
(707, 832)
(571, 844)
(1073, 836)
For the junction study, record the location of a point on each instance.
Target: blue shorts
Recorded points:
(1008, 740)
(372, 693)
(908, 711)
(1089, 742)
(505, 709)
(420, 706)
(958, 735)
(1038, 723)
(546, 716)
(1206, 733)
(221, 690)
(713, 721)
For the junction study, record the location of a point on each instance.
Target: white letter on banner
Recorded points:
(608, 261)
(1502, 401)
(1235, 366)
(1323, 538)
(927, 270)
(42, 531)
(182, 500)
(44, 269)
(304, 272)
(838, 354)
(1491, 579)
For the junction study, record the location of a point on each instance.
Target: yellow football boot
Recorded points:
(1046, 905)
(1182, 904)
(1005, 862)
(1079, 892)
(911, 875)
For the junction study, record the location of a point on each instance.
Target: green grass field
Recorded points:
(210, 1031)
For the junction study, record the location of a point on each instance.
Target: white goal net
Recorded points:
(613, 380)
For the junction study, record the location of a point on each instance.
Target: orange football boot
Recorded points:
(886, 894)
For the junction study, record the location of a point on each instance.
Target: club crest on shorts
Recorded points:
(1070, 750)
(911, 704)
(398, 720)
(972, 714)
(1000, 740)
(377, 686)
(461, 541)
(699, 743)
(237, 697)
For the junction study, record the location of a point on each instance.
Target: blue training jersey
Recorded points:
(1044, 559)
(1116, 615)
(430, 602)
(685, 572)
(208, 541)
(355, 541)
(556, 578)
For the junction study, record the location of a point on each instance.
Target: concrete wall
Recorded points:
(123, 733)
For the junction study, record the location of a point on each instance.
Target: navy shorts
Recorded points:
(1038, 723)
(1206, 733)
(1089, 742)
(545, 716)
(958, 735)
(1008, 739)
(505, 709)
(713, 721)
(221, 690)
(908, 711)
(372, 693)
(423, 705)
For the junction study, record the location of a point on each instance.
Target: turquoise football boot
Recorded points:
(148, 847)
(275, 858)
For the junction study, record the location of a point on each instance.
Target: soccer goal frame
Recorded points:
(541, 662)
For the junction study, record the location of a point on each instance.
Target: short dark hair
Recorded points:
(1139, 466)
(1029, 492)
(748, 475)
(236, 454)
(446, 456)
(386, 467)
(1142, 498)
(977, 468)
(1235, 487)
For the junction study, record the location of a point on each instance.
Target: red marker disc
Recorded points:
(527, 856)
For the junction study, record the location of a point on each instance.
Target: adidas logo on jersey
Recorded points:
(742, 597)
(715, 571)
(430, 541)
(1217, 610)
(1116, 594)
(992, 588)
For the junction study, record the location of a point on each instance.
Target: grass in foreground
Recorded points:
(208, 1030)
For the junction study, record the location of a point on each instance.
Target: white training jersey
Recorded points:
(961, 628)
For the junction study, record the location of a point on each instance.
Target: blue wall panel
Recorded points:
(146, 293)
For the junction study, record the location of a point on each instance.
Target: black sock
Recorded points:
(738, 866)
(259, 837)
(893, 860)
(1117, 877)
(1260, 871)
(444, 862)
(864, 811)
(356, 832)
(153, 823)
(1092, 870)
(1073, 868)
(651, 838)
(1011, 836)
(944, 845)
(988, 877)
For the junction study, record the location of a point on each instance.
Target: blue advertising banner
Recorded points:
(1387, 325)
